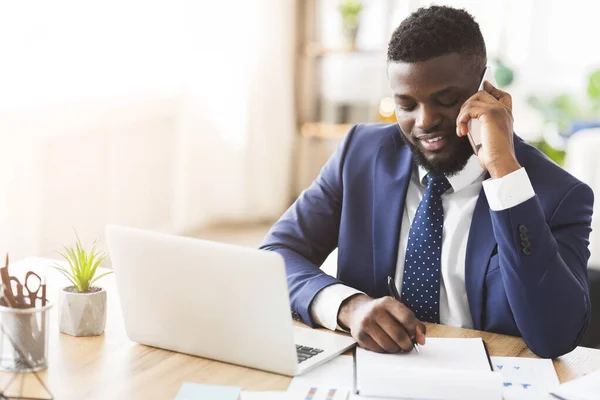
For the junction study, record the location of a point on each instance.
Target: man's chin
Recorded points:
(448, 162)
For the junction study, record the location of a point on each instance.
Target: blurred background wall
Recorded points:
(189, 116)
(167, 115)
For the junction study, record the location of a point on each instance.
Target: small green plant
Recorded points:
(563, 109)
(350, 11)
(593, 90)
(82, 265)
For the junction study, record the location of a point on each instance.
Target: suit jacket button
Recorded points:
(527, 251)
(525, 243)
(523, 236)
(522, 229)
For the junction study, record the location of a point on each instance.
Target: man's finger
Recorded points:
(472, 111)
(367, 342)
(403, 315)
(482, 96)
(421, 333)
(382, 338)
(498, 94)
(395, 331)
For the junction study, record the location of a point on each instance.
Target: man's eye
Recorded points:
(406, 107)
(448, 102)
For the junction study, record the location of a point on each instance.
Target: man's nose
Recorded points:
(427, 118)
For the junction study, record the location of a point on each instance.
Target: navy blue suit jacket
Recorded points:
(537, 291)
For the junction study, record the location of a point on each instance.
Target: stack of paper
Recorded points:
(445, 368)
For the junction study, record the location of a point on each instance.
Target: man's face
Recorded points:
(428, 97)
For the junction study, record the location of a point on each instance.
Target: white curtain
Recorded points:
(242, 90)
(166, 115)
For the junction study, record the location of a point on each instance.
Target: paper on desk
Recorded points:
(337, 373)
(333, 380)
(312, 393)
(198, 391)
(526, 378)
(445, 368)
(266, 396)
(586, 387)
(440, 353)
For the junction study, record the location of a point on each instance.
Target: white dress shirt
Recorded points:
(458, 204)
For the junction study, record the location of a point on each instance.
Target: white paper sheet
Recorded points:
(526, 378)
(586, 387)
(246, 395)
(337, 373)
(445, 368)
(317, 393)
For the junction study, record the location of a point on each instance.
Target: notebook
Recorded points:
(446, 368)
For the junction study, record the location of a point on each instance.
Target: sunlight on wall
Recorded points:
(221, 59)
(163, 114)
(65, 51)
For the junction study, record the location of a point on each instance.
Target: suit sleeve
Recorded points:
(544, 269)
(308, 232)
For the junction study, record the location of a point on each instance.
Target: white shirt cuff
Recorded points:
(326, 305)
(508, 191)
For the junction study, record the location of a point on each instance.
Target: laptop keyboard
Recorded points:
(305, 352)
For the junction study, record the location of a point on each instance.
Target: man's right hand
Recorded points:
(383, 325)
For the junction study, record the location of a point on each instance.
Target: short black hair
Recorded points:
(435, 31)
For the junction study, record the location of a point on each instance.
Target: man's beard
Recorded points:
(452, 166)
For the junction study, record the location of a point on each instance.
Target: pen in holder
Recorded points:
(24, 338)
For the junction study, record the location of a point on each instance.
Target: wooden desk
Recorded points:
(112, 367)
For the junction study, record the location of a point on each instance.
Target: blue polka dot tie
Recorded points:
(421, 278)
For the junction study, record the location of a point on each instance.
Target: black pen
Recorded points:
(394, 293)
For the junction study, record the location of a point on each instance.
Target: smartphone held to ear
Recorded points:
(475, 124)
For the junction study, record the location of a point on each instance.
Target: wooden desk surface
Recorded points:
(111, 366)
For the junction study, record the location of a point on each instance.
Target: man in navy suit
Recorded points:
(495, 241)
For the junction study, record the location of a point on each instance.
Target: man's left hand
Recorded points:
(493, 108)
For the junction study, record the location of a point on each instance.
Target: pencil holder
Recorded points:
(24, 338)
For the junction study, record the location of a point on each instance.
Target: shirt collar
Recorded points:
(469, 174)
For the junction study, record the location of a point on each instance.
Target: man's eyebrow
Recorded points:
(445, 90)
(440, 92)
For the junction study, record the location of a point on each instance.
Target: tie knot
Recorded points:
(438, 184)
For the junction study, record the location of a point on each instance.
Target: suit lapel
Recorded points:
(392, 174)
(480, 245)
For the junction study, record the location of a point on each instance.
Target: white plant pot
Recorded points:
(82, 314)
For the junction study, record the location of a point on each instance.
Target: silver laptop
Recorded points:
(213, 300)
